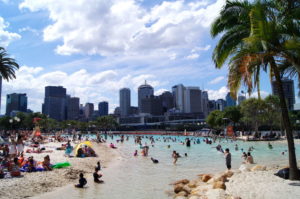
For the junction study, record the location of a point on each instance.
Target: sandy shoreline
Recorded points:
(33, 184)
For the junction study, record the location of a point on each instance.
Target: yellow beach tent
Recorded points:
(78, 146)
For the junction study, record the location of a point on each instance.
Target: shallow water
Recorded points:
(137, 177)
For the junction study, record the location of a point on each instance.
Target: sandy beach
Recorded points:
(33, 184)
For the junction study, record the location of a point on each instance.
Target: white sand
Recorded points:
(32, 184)
(262, 185)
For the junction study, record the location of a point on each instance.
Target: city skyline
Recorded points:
(144, 41)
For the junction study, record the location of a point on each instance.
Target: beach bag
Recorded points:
(283, 173)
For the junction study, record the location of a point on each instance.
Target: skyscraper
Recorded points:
(88, 110)
(55, 102)
(144, 91)
(221, 104)
(205, 105)
(178, 94)
(73, 108)
(124, 102)
(192, 100)
(103, 108)
(152, 105)
(167, 101)
(229, 100)
(16, 102)
(288, 89)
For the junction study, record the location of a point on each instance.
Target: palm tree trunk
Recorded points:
(294, 173)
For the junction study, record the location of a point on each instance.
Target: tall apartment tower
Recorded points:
(178, 94)
(205, 103)
(144, 91)
(88, 110)
(16, 102)
(103, 108)
(55, 102)
(192, 100)
(124, 102)
(73, 108)
(167, 101)
(289, 91)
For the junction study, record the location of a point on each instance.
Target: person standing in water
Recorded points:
(227, 158)
(188, 142)
(175, 157)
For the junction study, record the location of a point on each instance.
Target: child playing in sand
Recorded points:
(82, 181)
(98, 166)
(97, 176)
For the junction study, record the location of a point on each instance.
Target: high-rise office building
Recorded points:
(55, 102)
(178, 94)
(16, 102)
(229, 100)
(151, 105)
(192, 100)
(212, 105)
(88, 110)
(167, 101)
(103, 108)
(205, 105)
(73, 108)
(241, 98)
(289, 91)
(124, 102)
(221, 104)
(144, 91)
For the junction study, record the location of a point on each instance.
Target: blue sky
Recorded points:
(95, 47)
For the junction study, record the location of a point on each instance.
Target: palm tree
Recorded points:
(266, 36)
(8, 66)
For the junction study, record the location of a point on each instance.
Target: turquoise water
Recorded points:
(138, 177)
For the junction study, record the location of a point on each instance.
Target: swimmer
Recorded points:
(135, 153)
(185, 155)
(82, 181)
(270, 145)
(154, 160)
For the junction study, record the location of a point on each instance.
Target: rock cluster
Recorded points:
(209, 186)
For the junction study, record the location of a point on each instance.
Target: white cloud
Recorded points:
(218, 94)
(29, 29)
(123, 26)
(6, 37)
(263, 94)
(160, 91)
(217, 80)
(193, 56)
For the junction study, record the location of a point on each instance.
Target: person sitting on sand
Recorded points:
(80, 153)
(82, 181)
(15, 168)
(112, 146)
(97, 176)
(249, 159)
(46, 163)
(31, 165)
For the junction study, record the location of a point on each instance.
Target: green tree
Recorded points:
(106, 122)
(233, 113)
(272, 108)
(215, 119)
(260, 35)
(8, 65)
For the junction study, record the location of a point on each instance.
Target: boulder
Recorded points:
(178, 188)
(206, 177)
(259, 168)
(184, 181)
(187, 189)
(219, 185)
(228, 174)
(192, 184)
(182, 193)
